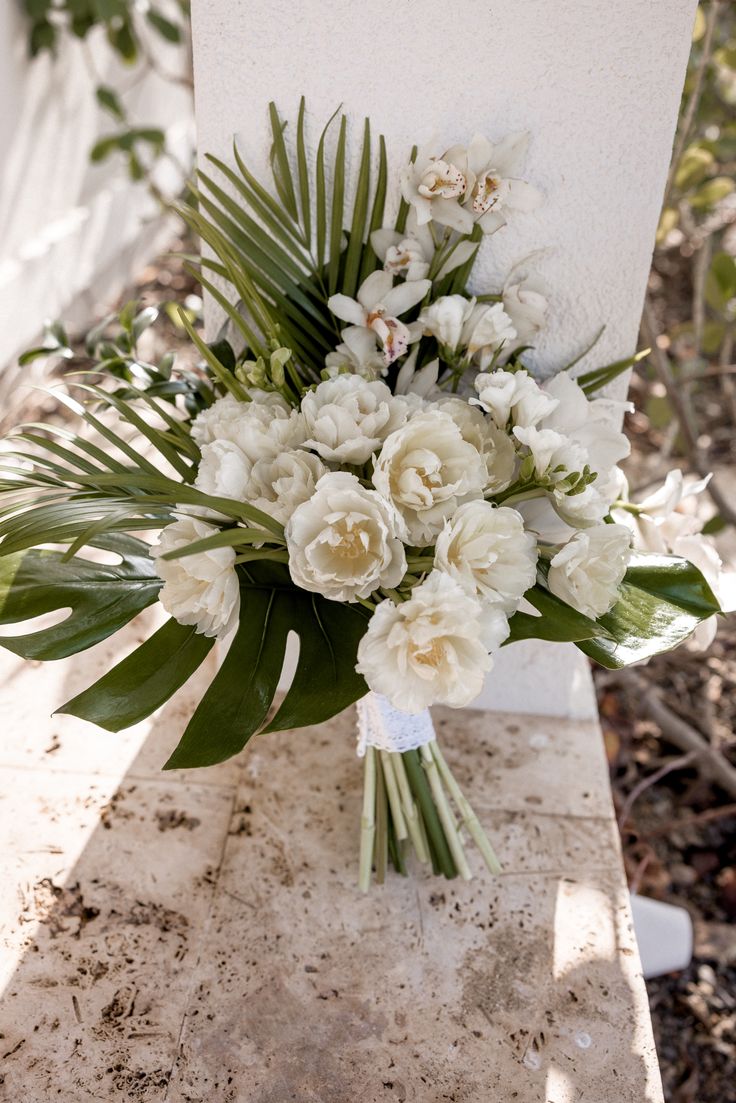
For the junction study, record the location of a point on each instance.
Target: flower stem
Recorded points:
(381, 843)
(394, 800)
(368, 821)
(436, 836)
(412, 818)
(445, 813)
(469, 817)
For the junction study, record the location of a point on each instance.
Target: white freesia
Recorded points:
(494, 445)
(504, 394)
(277, 486)
(200, 589)
(358, 353)
(486, 549)
(377, 308)
(431, 649)
(587, 572)
(488, 330)
(259, 428)
(343, 542)
(426, 469)
(347, 418)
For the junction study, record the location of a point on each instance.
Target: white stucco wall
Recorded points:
(598, 85)
(70, 232)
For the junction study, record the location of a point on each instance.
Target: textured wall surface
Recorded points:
(596, 83)
(70, 232)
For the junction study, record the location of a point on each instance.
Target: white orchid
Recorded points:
(377, 308)
(525, 302)
(358, 354)
(434, 187)
(410, 254)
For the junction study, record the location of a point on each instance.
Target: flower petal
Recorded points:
(345, 308)
(510, 153)
(382, 240)
(462, 252)
(448, 212)
(374, 289)
(522, 196)
(491, 221)
(404, 296)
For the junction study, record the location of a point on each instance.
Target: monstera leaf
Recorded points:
(239, 699)
(102, 597)
(663, 600)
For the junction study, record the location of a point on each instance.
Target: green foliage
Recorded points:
(126, 28)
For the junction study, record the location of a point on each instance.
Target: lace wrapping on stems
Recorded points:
(382, 726)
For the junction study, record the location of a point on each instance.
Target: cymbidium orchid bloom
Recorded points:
(434, 187)
(377, 308)
(525, 302)
(358, 354)
(410, 254)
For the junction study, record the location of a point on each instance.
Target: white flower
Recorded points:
(200, 589)
(492, 181)
(554, 454)
(426, 469)
(430, 649)
(587, 572)
(347, 418)
(434, 186)
(494, 445)
(277, 486)
(525, 302)
(224, 471)
(358, 354)
(444, 319)
(665, 515)
(504, 394)
(258, 428)
(588, 422)
(342, 543)
(420, 384)
(486, 550)
(487, 329)
(378, 307)
(410, 254)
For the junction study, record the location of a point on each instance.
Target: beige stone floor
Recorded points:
(198, 936)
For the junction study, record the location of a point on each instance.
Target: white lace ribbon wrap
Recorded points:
(382, 726)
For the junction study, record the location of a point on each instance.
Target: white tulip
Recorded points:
(494, 445)
(277, 486)
(426, 469)
(586, 573)
(201, 589)
(377, 308)
(343, 542)
(430, 649)
(347, 418)
(486, 549)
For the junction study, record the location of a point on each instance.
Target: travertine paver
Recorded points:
(199, 937)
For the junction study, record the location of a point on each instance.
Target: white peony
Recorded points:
(347, 418)
(200, 589)
(587, 572)
(495, 446)
(486, 549)
(224, 470)
(430, 649)
(505, 394)
(277, 486)
(258, 428)
(426, 469)
(343, 543)
(377, 308)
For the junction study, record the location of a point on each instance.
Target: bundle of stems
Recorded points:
(412, 801)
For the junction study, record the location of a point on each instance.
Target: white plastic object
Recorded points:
(664, 933)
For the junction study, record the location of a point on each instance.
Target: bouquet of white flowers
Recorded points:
(364, 462)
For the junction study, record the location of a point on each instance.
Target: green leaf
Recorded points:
(102, 597)
(108, 98)
(144, 680)
(303, 170)
(597, 378)
(168, 30)
(338, 199)
(239, 699)
(280, 163)
(557, 621)
(663, 600)
(354, 252)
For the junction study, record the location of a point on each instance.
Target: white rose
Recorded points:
(426, 470)
(347, 418)
(505, 394)
(486, 549)
(587, 572)
(201, 589)
(494, 445)
(428, 650)
(342, 543)
(277, 486)
(445, 318)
